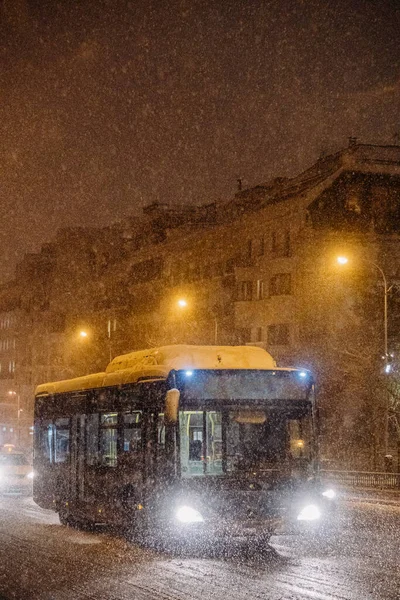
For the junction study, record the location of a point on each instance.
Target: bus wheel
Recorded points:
(85, 525)
(259, 546)
(66, 518)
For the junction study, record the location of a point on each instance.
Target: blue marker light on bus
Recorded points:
(303, 374)
(188, 373)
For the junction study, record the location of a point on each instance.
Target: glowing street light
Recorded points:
(83, 334)
(342, 260)
(182, 303)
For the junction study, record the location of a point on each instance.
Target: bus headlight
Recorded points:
(331, 494)
(186, 514)
(310, 512)
(30, 475)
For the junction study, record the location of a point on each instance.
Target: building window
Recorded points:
(280, 244)
(249, 248)
(353, 204)
(278, 335)
(147, 270)
(259, 289)
(111, 327)
(261, 246)
(246, 290)
(207, 271)
(280, 284)
(11, 366)
(218, 269)
(230, 266)
(259, 334)
(193, 273)
(243, 335)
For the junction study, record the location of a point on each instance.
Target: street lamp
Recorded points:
(343, 260)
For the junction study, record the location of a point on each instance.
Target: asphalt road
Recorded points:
(359, 559)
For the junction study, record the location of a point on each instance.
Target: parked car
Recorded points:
(16, 473)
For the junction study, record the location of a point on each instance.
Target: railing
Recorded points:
(363, 479)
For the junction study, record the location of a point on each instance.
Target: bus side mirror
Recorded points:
(172, 406)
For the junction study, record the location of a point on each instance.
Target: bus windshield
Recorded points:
(216, 442)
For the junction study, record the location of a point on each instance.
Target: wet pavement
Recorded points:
(358, 558)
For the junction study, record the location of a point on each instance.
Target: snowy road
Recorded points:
(39, 558)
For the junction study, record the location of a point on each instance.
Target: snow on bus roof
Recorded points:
(196, 357)
(158, 362)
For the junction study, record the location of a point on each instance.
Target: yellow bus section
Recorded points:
(158, 362)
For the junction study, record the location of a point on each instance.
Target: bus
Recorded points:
(185, 443)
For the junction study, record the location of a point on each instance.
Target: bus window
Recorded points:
(108, 439)
(45, 446)
(61, 442)
(132, 454)
(133, 432)
(155, 444)
(300, 435)
(193, 426)
(92, 439)
(191, 442)
(214, 442)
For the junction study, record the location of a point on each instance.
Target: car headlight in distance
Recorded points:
(311, 512)
(30, 475)
(186, 514)
(331, 494)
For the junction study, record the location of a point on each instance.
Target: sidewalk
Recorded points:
(370, 495)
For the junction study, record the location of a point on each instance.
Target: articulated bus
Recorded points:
(184, 443)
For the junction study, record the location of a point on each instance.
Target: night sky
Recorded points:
(107, 106)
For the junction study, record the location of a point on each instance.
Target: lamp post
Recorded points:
(343, 260)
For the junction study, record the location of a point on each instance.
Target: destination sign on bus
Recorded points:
(246, 385)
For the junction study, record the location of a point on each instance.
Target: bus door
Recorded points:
(77, 489)
(98, 457)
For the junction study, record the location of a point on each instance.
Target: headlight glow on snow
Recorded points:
(331, 494)
(186, 514)
(310, 512)
(30, 475)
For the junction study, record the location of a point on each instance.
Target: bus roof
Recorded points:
(158, 362)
